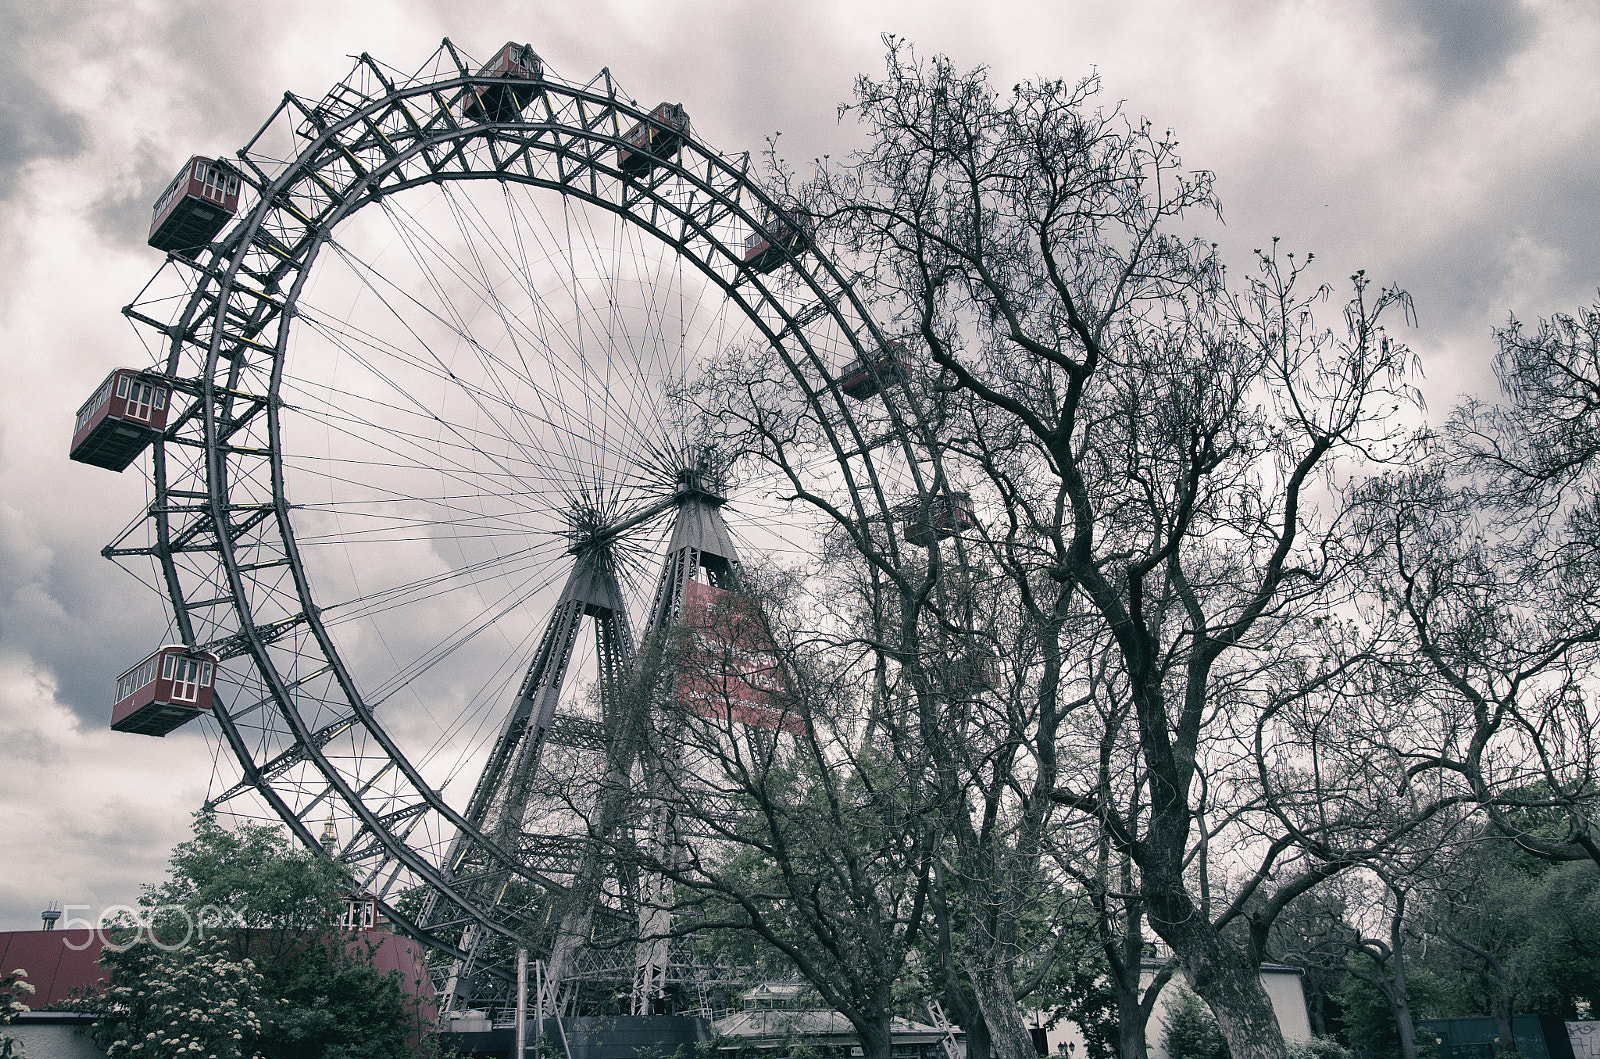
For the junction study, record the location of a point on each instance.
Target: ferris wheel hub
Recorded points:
(696, 471)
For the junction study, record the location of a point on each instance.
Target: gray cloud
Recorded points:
(33, 124)
(1459, 45)
(59, 606)
(122, 213)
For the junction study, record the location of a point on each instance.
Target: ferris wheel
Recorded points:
(435, 359)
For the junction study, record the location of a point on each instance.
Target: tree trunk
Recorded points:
(1239, 1001)
(1225, 972)
(1221, 967)
(1407, 1025)
(977, 1032)
(1502, 1022)
(1124, 953)
(1400, 999)
(1008, 1036)
(1131, 1017)
(876, 1042)
(960, 1008)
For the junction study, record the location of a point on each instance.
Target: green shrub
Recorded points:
(1192, 1031)
(1318, 1048)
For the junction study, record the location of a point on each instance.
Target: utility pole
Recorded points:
(522, 1003)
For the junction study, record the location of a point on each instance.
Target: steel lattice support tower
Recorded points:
(500, 800)
(700, 548)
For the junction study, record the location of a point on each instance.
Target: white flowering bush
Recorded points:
(269, 977)
(199, 1003)
(13, 988)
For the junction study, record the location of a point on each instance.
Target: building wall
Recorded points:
(57, 961)
(1283, 985)
(1284, 988)
(62, 962)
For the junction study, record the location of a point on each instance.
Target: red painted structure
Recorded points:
(126, 413)
(939, 517)
(789, 236)
(492, 103)
(198, 204)
(57, 961)
(868, 375)
(62, 962)
(172, 686)
(654, 139)
(731, 671)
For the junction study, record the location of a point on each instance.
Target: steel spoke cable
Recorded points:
(523, 269)
(424, 589)
(328, 410)
(463, 436)
(433, 417)
(442, 648)
(418, 239)
(473, 393)
(549, 342)
(578, 363)
(650, 299)
(427, 443)
(474, 240)
(417, 591)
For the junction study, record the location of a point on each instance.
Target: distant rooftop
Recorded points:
(778, 1025)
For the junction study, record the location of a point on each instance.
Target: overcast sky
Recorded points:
(1451, 147)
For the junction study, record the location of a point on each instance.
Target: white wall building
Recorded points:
(1284, 988)
(1282, 983)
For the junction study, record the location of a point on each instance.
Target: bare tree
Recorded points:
(1120, 918)
(1534, 451)
(1493, 635)
(1381, 955)
(1496, 560)
(1157, 458)
(787, 820)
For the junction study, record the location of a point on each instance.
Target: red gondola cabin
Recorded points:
(653, 139)
(938, 517)
(170, 687)
(504, 102)
(784, 235)
(975, 671)
(357, 912)
(124, 415)
(198, 204)
(868, 375)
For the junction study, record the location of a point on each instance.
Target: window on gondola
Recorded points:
(186, 683)
(141, 399)
(100, 398)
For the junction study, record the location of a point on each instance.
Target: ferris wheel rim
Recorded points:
(252, 639)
